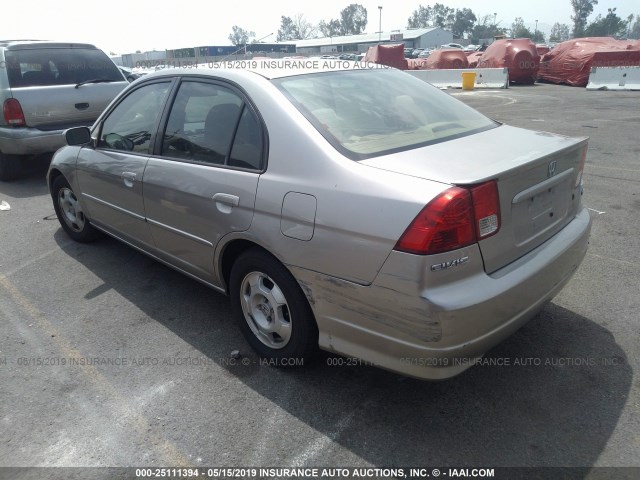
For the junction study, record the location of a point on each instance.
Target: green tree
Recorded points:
(420, 18)
(443, 16)
(610, 26)
(559, 32)
(634, 27)
(486, 28)
(581, 9)
(286, 31)
(518, 30)
(240, 36)
(463, 22)
(353, 19)
(296, 28)
(330, 29)
(304, 28)
(538, 37)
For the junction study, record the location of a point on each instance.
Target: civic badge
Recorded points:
(551, 169)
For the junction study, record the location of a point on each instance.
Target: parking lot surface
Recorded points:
(108, 358)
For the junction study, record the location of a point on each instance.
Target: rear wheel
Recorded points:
(10, 166)
(273, 313)
(70, 213)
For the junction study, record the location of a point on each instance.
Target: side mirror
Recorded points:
(78, 136)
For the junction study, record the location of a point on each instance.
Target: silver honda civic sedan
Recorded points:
(355, 210)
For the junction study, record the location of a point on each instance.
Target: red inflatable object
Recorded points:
(517, 54)
(570, 62)
(390, 55)
(447, 58)
(474, 58)
(417, 63)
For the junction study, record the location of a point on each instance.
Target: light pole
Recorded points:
(535, 34)
(256, 41)
(380, 25)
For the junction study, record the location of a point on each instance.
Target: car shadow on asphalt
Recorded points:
(31, 182)
(550, 395)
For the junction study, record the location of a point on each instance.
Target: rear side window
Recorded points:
(210, 123)
(59, 66)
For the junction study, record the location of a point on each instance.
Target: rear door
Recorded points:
(110, 175)
(47, 81)
(202, 182)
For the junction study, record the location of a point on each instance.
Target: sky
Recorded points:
(124, 26)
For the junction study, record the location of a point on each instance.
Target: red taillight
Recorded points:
(446, 223)
(486, 207)
(13, 113)
(454, 219)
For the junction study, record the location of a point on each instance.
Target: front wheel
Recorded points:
(273, 312)
(70, 213)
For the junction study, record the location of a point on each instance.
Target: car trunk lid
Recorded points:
(71, 106)
(538, 175)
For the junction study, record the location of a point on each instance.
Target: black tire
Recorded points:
(69, 212)
(10, 167)
(278, 304)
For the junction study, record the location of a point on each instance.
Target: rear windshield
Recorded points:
(366, 113)
(59, 66)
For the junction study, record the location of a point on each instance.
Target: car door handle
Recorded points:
(226, 202)
(128, 178)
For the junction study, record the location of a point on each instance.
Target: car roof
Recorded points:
(271, 69)
(27, 44)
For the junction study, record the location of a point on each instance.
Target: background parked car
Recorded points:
(129, 74)
(452, 45)
(46, 88)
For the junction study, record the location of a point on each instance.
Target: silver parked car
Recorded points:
(360, 211)
(46, 88)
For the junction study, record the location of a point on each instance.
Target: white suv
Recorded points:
(45, 88)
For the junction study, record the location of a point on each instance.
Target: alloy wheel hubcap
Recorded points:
(72, 213)
(265, 310)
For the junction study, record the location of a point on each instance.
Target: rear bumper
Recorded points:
(32, 141)
(413, 327)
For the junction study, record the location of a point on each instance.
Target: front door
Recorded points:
(110, 175)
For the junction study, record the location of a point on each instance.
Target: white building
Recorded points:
(412, 38)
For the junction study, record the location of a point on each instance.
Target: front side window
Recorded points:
(130, 125)
(365, 113)
(210, 123)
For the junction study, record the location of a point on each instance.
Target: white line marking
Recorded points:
(597, 211)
